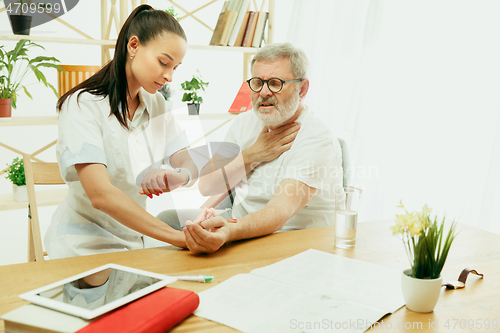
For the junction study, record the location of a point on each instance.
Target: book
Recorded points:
(154, 313)
(252, 30)
(243, 100)
(306, 288)
(242, 10)
(219, 26)
(248, 28)
(230, 18)
(243, 27)
(260, 29)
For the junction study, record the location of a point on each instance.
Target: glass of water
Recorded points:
(346, 216)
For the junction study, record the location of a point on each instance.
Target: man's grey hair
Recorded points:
(298, 59)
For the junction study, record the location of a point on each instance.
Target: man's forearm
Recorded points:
(263, 222)
(214, 182)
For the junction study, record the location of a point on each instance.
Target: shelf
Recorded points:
(225, 48)
(52, 120)
(205, 116)
(43, 198)
(112, 42)
(30, 121)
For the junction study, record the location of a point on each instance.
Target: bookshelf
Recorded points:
(248, 52)
(115, 12)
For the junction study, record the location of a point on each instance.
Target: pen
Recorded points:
(195, 277)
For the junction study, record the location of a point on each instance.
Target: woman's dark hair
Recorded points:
(144, 22)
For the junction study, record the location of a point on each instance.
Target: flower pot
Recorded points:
(5, 109)
(20, 24)
(420, 295)
(193, 109)
(20, 193)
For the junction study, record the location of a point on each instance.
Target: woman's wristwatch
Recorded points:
(190, 177)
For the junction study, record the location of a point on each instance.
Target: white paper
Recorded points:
(313, 291)
(350, 279)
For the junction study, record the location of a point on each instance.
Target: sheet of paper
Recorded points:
(346, 278)
(251, 303)
(312, 291)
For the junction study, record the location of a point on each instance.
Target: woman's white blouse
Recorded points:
(88, 134)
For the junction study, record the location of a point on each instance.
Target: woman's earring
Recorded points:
(131, 57)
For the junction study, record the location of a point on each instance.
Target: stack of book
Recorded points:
(238, 26)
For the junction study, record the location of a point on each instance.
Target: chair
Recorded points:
(37, 173)
(72, 76)
(219, 201)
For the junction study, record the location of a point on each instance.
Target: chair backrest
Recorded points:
(74, 75)
(37, 173)
(346, 164)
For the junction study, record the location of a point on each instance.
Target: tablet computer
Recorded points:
(100, 290)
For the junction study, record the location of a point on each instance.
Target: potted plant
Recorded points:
(192, 88)
(172, 12)
(15, 173)
(19, 21)
(15, 65)
(166, 91)
(427, 251)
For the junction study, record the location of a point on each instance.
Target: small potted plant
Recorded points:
(19, 21)
(172, 12)
(192, 88)
(427, 251)
(166, 91)
(15, 173)
(15, 65)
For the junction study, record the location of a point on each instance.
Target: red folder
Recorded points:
(243, 100)
(154, 313)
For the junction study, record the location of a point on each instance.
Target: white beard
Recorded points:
(281, 112)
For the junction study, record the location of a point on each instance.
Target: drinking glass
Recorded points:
(346, 216)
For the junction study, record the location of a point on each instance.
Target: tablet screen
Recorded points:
(98, 291)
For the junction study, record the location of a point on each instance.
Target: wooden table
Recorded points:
(473, 247)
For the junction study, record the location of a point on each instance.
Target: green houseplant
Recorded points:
(20, 22)
(15, 173)
(166, 91)
(16, 64)
(172, 12)
(192, 88)
(427, 248)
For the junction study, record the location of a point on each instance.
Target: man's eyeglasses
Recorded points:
(275, 85)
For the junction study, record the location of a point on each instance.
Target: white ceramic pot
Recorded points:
(20, 193)
(420, 295)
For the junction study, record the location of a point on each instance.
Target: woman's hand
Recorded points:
(158, 181)
(205, 214)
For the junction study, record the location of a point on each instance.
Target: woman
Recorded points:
(104, 210)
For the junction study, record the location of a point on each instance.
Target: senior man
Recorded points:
(290, 162)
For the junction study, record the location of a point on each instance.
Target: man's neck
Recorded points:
(295, 116)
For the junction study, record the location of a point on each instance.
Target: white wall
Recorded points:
(222, 69)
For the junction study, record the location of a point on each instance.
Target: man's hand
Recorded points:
(158, 181)
(199, 240)
(205, 214)
(271, 144)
